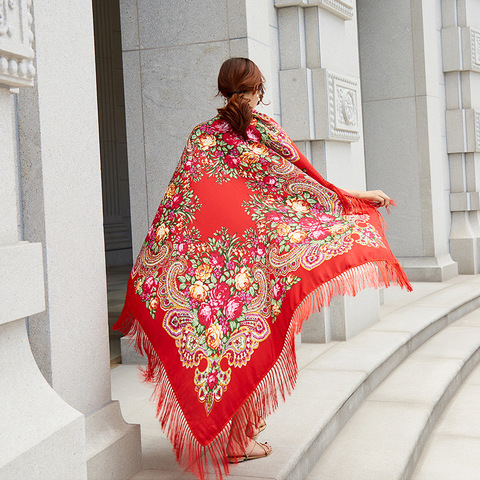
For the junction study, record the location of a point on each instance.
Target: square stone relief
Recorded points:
(337, 97)
(16, 38)
(475, 49)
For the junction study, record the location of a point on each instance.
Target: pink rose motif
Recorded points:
(219, 295)
(269, 181)
(320, 233)
(324, 217)
(234, 308)
(182, 248)
(158, 214)
(206, 315)
(149, 284)
(151, 230)
(278, 291)
(176, 200)
(212, 380)
(217, 259)
(220, 126)
(231, 139)
(253, 134)
(261, 250)
(232, 161)
(274, 216)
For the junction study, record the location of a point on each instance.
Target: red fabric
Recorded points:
(247, 241)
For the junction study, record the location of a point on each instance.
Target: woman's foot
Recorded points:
(253, 431)
(253, 451)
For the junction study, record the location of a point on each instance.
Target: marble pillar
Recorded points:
(322, 112)
(41, 435)
(403, 90)
(62, 209)
(461, 64)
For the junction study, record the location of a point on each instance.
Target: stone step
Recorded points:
(386, 435)
(334, 381)
(452, 448)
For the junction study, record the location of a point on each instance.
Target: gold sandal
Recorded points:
(267, 450)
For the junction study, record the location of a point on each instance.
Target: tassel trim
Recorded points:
(264, 398)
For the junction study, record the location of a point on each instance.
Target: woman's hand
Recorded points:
(376, 196)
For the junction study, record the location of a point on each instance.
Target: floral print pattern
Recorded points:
(222, 293)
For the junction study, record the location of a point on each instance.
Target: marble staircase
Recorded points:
(362, 409)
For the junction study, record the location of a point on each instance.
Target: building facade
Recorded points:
(97, 102)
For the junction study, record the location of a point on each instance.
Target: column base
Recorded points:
(41, 436)
(113, 445)
(429, 269)
(343, 319)
(465, 251)
(129, 355)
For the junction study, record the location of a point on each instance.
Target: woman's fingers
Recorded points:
(380, 197)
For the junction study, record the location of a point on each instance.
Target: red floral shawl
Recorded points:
(247, 241)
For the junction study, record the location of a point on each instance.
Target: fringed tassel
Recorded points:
(278, 382)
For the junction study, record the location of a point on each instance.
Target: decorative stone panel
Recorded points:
(16, 38)
(474, 49)
(463, 130)
(461, 49)
(339, 96)
(342, 8)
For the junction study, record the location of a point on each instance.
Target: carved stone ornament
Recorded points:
(343, 111)
(16, 39)
(477, 130)
(475, 49)
(341, 8)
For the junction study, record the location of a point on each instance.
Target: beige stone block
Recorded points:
(136, 149)
(239, 47)
(237, 18)
(21, 280)
(391, 133)
(446, 457)
(463, 130)
(172, 108)
(297, 103)
(129, 24)
(289, 3)
(179, 23)
(433, 374)
(257, 20)
(462, 415)
(8, 183)
(53, 447)
(372, 445)
(291, 31)
(382, 32)
(363, 352)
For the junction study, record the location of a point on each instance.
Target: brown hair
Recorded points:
(237, 76)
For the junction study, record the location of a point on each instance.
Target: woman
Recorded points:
(248, 240)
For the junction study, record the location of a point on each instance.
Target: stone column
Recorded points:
(321, 111)
(405, 141)
(461, 64)
(41, 435)
(61, 185)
